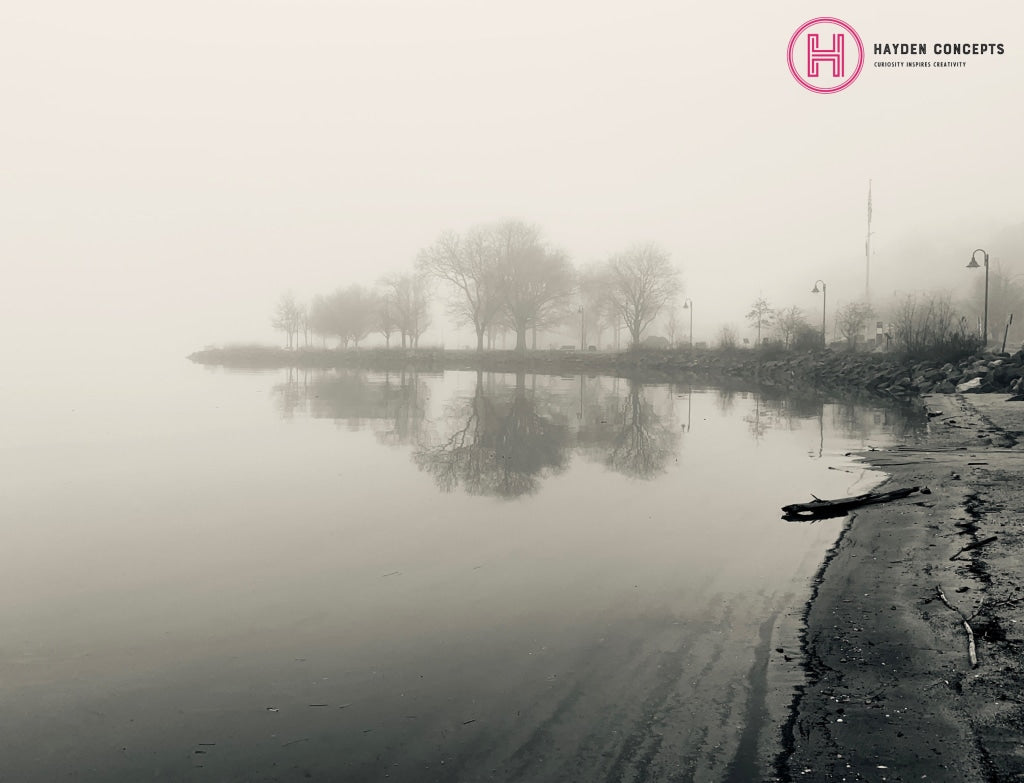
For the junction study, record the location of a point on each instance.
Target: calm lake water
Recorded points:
(364, 576)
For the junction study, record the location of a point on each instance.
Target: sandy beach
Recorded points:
(892, 692)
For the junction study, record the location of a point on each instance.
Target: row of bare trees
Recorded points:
(506, 275)
(792, 329)
(496, 277)
(400, 305)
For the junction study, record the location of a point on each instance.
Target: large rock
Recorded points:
(972, 385)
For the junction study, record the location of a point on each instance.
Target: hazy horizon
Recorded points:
(171, 171)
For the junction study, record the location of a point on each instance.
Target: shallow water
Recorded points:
(366, 576)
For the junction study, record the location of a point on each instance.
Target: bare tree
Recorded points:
(594, 284)
(320, 322)
(536, 282)
(642, 283)
(727, 338)
(927, 325)
(673, 327)
(470, 267)
(851, 320)
(346, 314)
(760, 315)
(357, 313)
(788, 322)
(409, 295)
(384, 318)
(287, 318)
(304, 324)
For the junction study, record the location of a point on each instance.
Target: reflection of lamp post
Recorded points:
(821, 430)
(823, 297)
(688, 305)
(974, 265)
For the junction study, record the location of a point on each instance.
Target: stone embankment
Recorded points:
(881, 374)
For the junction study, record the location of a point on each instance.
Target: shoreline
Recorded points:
(890, 692)
(847, 373)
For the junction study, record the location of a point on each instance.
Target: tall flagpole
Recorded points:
(867, 252)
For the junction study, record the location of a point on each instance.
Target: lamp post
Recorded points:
(688, 305)
(583, 334)
(823, 293)
(974, 265)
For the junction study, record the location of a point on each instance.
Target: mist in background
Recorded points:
(171, 169)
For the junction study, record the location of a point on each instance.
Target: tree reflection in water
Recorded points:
(499, 444)
(292, 394)
(643, 442)
(396, 403)
(505, 439)
(625, 430)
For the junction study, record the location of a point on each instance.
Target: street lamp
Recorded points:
(974, 265)
(823, 298)
(688, 305)
(583, 334)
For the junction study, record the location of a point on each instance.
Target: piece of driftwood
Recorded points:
(823, 509)
(974, 545)
(972, 650)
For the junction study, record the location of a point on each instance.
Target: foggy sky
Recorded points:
(171, 168)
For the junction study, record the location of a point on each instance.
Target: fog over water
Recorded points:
(539, 574)
(172, 170)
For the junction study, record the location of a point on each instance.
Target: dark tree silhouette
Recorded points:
(761, 316)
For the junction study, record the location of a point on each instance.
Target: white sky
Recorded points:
(170, 168)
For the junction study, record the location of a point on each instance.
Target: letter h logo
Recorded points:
(835, 55)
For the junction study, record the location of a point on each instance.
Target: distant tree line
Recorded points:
(505, 278)
(495, 278)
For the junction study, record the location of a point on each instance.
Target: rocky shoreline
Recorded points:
(877, 374)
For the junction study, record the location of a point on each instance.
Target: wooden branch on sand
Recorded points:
(972, 651)
(822, 509)
(974, 545)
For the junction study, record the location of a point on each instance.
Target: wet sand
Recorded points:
(891, 692)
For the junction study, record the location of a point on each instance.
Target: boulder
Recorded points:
(972, 385)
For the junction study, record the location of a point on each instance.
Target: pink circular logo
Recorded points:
(825, 55)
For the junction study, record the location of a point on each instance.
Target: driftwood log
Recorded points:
(823, 509)
(972, 649)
